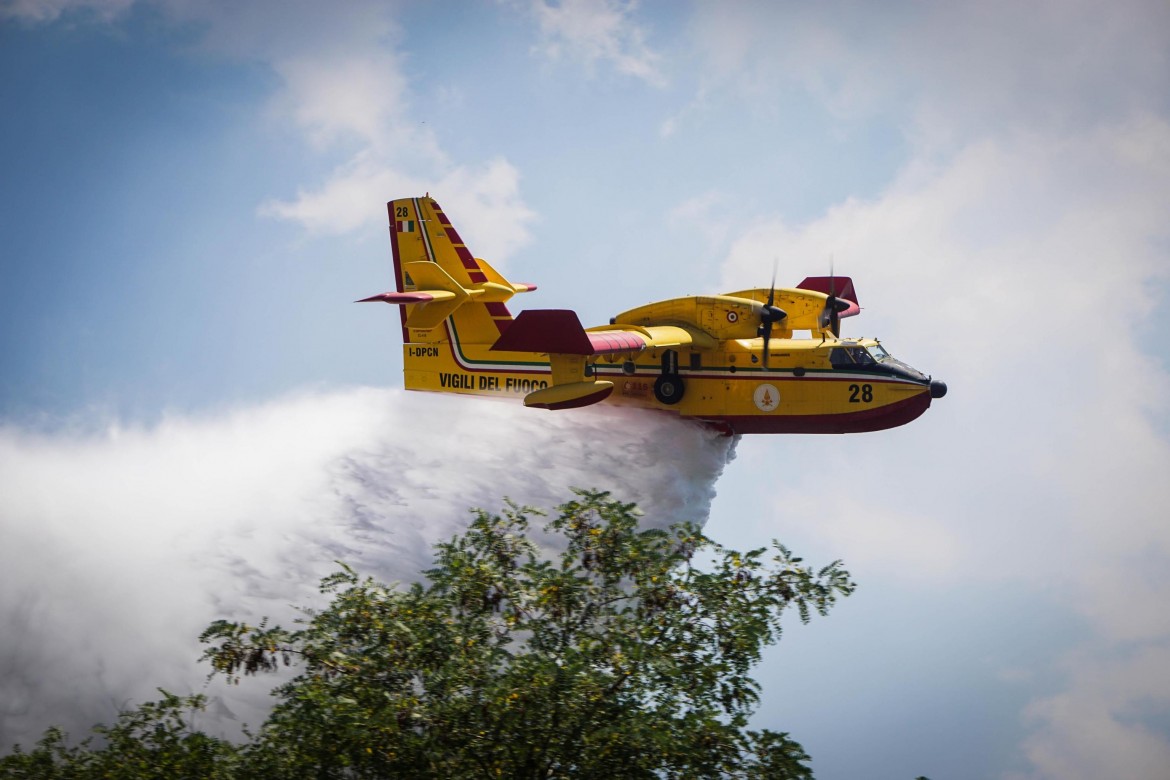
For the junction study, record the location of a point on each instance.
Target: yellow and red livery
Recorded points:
(733, 360)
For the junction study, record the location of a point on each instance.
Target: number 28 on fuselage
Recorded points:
(732, 360)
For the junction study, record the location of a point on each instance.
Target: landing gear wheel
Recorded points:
(669, 388)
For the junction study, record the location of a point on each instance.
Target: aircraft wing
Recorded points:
(559, 331)
(559, 334)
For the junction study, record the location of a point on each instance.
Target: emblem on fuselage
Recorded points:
(767, 397)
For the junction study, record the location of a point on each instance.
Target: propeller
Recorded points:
(831, 314)
(770, 314)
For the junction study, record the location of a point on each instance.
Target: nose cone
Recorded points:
(937, 389)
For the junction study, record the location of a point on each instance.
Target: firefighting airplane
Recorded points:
(730, 361)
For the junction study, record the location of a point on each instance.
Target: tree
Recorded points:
(618, 656)
(152, 742)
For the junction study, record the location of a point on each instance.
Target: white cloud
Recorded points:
(342, 85)
(1095, 728)
(356, 94)
(352, 90)
(484, 202)
(945, 72)
(1022, 271)
(51, 10)
(711, 214)
(346, 88)
(879, 538)
(597, 31)
(119, 549)
(353, 196)
(485, 205)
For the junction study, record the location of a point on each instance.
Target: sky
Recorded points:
(195, 421)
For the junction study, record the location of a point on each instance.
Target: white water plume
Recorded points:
(119, 549)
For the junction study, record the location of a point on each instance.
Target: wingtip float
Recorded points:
(732, 361)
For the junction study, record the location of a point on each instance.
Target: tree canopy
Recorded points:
(615, 652)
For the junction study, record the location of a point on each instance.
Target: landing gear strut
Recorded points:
(669, 387)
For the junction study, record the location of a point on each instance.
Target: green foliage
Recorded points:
(149, 743)
(618, 657)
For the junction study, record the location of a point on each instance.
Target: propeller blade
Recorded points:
(831, 314)
(772, 289)
(769, 316)
(770, 313)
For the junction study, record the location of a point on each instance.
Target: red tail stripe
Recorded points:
(460, 248)
(397, 267)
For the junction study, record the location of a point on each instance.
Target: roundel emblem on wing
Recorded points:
(732, 317)
(767, 397)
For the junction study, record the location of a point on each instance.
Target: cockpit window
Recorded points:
(879, 353)
(850, 357)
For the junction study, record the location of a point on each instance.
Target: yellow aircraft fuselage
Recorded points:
(800, 391)
(701, 357)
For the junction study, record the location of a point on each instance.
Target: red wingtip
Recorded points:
(397, 297)
(841, 286)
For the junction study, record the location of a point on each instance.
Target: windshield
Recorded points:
(878, 352)
(850, 357)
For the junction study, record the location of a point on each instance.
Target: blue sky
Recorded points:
(193, 193)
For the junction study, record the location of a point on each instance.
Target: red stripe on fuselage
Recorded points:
(889, 416)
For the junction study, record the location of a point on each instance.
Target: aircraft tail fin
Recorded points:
(439, 282)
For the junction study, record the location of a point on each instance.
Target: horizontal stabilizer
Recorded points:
(569, 396)
(436, 299)
(429, 277)
(498, 288)
(431, 315)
